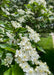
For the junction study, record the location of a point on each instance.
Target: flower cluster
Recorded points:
(1, 31)
(20, 36)
(39, 2)
(23, 14)
(15, 24)
(25, 55)
(28, 53)
(8, 60)
(33, 35)
(5, 10)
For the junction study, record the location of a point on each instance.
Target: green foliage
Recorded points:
(15, 70)
(48, 42)
(37, 21)
(48, 48)
(7, 47)
(41, 20)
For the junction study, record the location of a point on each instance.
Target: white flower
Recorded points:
(10, 35)
(8, 59)
(31, 72)
(42, 11)
(18, 59)
(42, 69)
(29, 12)
(4, 10)
(28, 53)
(21, 19)
(13, 14)
(16, 24)
(50, 6)
(20, 11)
(25, 66)
(1, 39)
(33, 35)
(31, 1)
(43, 2)
(2, 29)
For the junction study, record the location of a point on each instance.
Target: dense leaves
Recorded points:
(16, 18)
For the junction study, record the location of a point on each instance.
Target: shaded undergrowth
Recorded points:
(47, 44)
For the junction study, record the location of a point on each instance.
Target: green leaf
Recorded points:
(3, 69)
(15, 70)
(8, 72)
(1, 22)
(1, 53)
(7, 47)
(20, 30)
(40, 49)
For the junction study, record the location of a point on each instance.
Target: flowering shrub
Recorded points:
(42, 16)
(35, 13)
(16, 41)
(50, 4)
